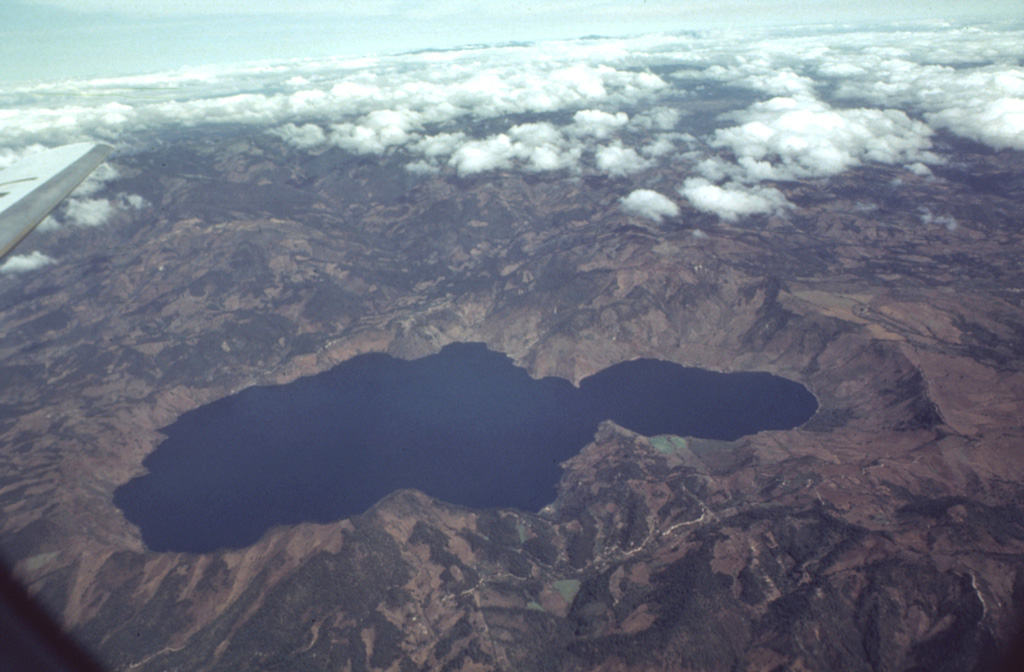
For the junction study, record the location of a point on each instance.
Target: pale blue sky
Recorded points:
(60, 39)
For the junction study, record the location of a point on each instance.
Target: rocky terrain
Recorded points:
(885, 534)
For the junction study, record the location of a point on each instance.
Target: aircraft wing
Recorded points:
(34, 186)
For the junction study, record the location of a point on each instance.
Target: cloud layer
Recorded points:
(784, 106)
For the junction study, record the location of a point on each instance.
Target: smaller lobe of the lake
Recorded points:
(465, 425)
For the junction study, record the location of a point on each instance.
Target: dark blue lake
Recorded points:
(465, 425)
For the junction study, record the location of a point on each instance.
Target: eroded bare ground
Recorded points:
(885, 534)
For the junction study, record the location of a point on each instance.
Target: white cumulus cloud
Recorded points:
(132, 201)
(534, 147)
(928, 217)
(377, 131)
(305, 136)
(478, 156)
(442, 144)
(732, 201)
(659, 119)
(650, 204)
(786, 138)
(985, 103)
(598, 123)
(88, 211)
(619, 161)
(20, 263)
(997, 123)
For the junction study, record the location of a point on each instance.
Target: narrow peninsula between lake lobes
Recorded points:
(464, 425)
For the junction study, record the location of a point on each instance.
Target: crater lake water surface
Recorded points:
(465, 425)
